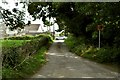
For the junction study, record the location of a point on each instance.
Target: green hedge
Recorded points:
(14, 56)
(13, 43)
(26, 37)
(27, 68)
(106, 54)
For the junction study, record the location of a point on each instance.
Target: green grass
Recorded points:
(27, 68)
(105, 54)
(11, 43)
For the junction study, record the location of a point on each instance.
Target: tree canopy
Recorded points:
(78, 18)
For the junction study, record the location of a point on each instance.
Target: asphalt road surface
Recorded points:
(64, 64)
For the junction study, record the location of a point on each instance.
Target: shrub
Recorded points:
(27, 68)
(86, 50)
(89, 49)
(8, 73)
(13, 43)
(11, 56)
(15, 55)
(108, 55)
(27, 37)
(32, 52)
(69, 42)
(75, 45)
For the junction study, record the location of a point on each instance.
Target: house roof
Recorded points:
(32, 27)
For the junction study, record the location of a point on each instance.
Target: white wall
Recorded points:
(11, 32)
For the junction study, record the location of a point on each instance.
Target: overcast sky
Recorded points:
(11, 5)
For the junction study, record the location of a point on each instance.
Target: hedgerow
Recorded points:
(105, 54)
(16, 56)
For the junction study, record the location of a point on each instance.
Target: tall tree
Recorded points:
(80, 19)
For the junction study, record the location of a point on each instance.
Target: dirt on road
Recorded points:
(64, 64)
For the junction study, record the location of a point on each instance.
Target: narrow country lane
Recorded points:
(64, 64)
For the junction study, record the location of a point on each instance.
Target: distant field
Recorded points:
(11, 43)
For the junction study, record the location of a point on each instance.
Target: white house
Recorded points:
(32, 29)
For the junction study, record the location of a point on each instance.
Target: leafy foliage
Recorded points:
(41, 10)
(13, 19)
(13, 43)
(105, 54)
(30, 66)
(81, 20)
(84, 26)
(15, 58)
(108, 55)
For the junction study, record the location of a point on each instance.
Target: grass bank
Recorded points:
(12, 43)
(106, 54)
(22, 58)
(26, 68)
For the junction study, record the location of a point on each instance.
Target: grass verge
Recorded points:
(106, 54)
(28, 67)
(22, 58)
(12, 43)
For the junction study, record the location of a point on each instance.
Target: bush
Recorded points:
(75, 45)
(69, 42)
(15, 55)
(27, 37)
(27, 68)
(12, 43)
(8, 73)
(108, 55)
(11, 55)
(105, 54)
